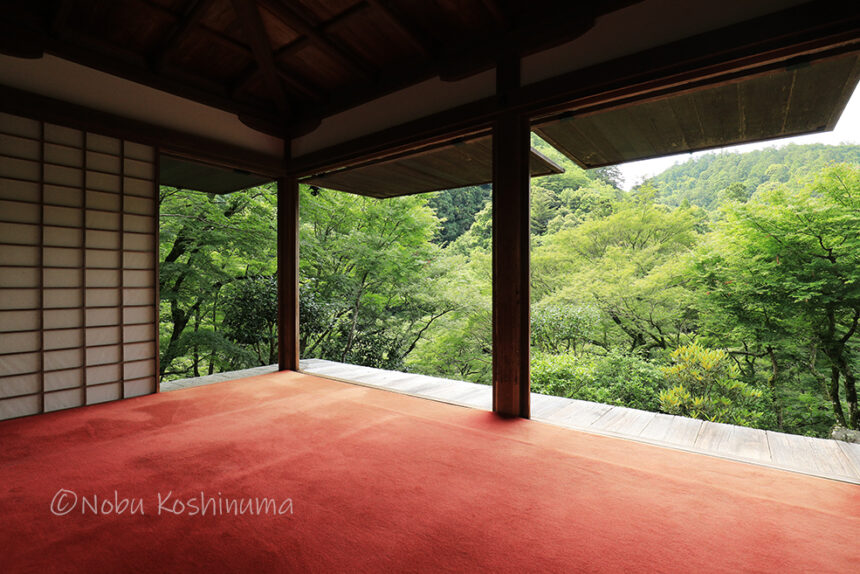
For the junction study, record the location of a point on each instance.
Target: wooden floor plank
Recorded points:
(789, 451)
(365, 375)
(748, 443)
(828, 457)
(450, 390)
(424, 385)
(399, 383)
(685, 431)
(658, 428)
(712, 437)
(385, 378)
(546, 405)
(476, 396)
(579, 414)
(852, 455)
(339, 371)
(630, 422)
(324, 366)
(391, 383)
(473, 389)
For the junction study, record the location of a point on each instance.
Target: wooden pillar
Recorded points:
(511, 146)
(288, 274)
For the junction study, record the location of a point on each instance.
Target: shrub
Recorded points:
(615, 379)
(706, 386)
(562, 327)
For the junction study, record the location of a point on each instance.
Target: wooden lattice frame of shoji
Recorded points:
(78, 268)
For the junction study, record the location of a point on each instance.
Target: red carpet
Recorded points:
(384, 482)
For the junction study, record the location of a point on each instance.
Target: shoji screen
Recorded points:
(77, 268)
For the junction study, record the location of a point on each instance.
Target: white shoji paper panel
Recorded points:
(19, 190)
(59, 400)
(18, 147)
(77, 268)
(20, 385)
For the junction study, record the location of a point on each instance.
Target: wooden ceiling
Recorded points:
(786, 102)
(450, 166)
(199, 176)
(282, 65)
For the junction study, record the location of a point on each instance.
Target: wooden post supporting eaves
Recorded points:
(288, 274)
(511, 145)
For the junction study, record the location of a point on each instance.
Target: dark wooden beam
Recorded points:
(60, 15)
(511, 235)
(498, 14)
(295, 21)
(190, 16)
(184, 25)
(22, 32)
(325, 28)
(803, 33)
(424, 45)
(178, 143)
(258, 39)
(288, 274)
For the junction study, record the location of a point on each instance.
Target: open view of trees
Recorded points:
(727, 288)
(219, 300)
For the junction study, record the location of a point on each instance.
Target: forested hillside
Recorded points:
(727, 288)
(708, 180)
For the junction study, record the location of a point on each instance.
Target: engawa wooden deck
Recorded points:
(820, 457)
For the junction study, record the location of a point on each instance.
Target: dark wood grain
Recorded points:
(256, 36)
(288, 274)
(511, 235)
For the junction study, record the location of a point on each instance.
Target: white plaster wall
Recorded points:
(64, 80)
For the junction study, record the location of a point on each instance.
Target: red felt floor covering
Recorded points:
(381, 482)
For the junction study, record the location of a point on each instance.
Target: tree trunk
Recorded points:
(211, 369)
(835, 352)
(772, 383)
(273, 345)
(833, 390)
(352, 331)
(850, 384)
(831, 386)
(196, 351)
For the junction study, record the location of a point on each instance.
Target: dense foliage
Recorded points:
(727, 288)
(218, 260)
(708, 180)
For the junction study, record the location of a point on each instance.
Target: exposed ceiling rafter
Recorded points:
(61, 14)
(424, 45)
(190, 16)
(257, 37)
(498, 14)
(318, 37)
(327, 27)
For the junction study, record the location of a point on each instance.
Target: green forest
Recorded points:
(727, 288)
